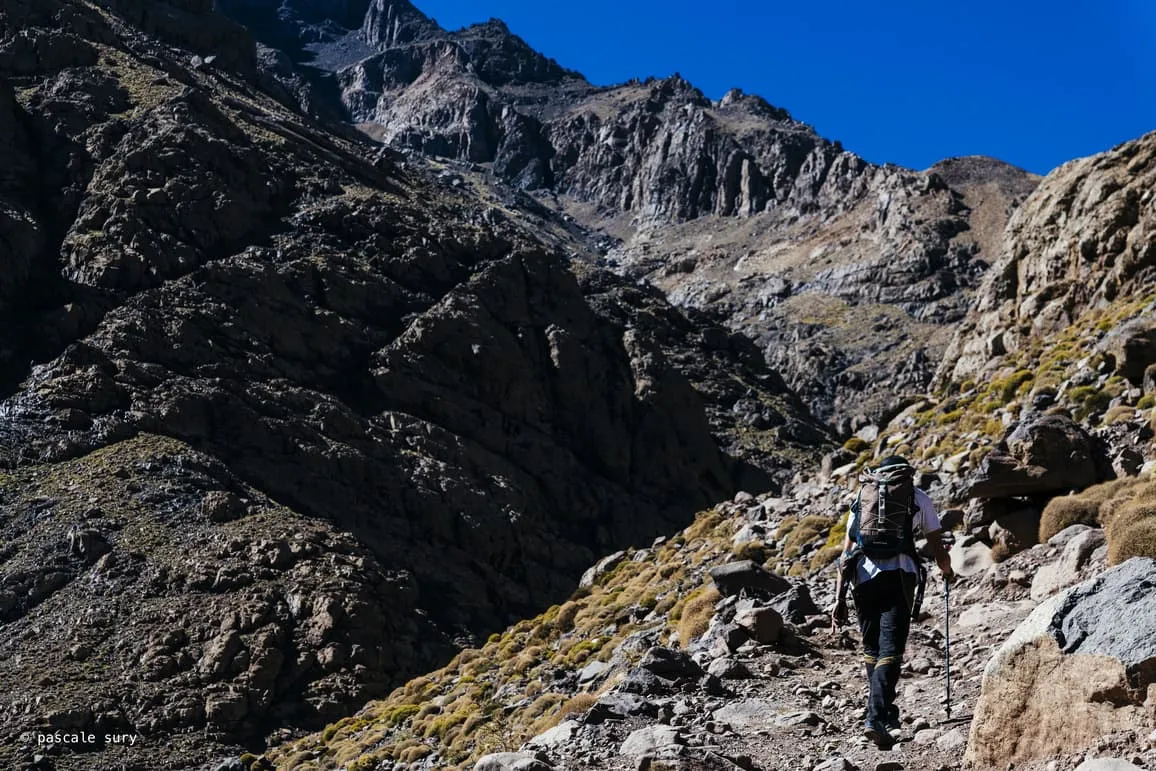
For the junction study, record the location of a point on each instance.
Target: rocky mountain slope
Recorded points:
(1047, 676)
(289, 419)
(286, 418)
(732, 206)
(685, 656)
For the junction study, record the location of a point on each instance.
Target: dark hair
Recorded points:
(893, 460)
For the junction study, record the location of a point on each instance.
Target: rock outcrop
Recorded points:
(795, 241)
(1084, 237)
(1082, 666)
(456, 416)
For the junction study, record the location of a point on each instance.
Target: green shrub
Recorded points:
(1007, 388)
(949, 417)
(856, 445)
(400, 714)
(1147, 401)
(1089, 400)
(1118, 413)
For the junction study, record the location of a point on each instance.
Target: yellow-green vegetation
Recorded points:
(756, 551)
(856, 445)
(1125, 508)
(695, 614)
(834, 545)
(808, 529)
(458, 711)
(1118, 414)
(967, 416)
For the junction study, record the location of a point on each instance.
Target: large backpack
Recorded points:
(886, 507)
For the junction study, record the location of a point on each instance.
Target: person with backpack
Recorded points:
(880, 559)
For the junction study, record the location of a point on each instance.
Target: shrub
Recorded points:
(1008, 387)
(856, 445)
(564, 622)
(805, 532)
(577, 704)
(751, 550)
(1121, 494)
(696, 614)
(1089, 400)
(825, 556)
(1000, 552)
(1136, 539)
(1147, 401)
(1118, 413)
(1065, 511)
(400, 714)
(1128, 515)
(949, 417)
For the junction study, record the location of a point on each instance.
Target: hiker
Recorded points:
(880, 559)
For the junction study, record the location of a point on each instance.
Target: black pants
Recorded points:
(883, 606)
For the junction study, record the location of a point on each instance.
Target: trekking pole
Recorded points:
(947, 639)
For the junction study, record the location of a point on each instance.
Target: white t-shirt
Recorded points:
(926, 521)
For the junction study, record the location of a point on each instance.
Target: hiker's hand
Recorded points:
(838, 616)
(945, 569)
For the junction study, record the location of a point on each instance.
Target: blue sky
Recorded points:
(1032, 83)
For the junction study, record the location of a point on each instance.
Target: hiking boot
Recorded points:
(877, 734)
(893, 725)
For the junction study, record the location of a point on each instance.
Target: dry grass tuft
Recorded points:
(696, 614)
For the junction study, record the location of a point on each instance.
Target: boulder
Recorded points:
(668, 663)
(795, 604)
(1019, 528)
(747, 715)
(1107, 764)
(1081, 666)
(619, 706)
(1044, 454)
(646, 741)
(511, 761)
(558, 736)
(600, 568)
(1132, 347)
(745, 575)
(970, 560)
(762, 624)
(644, 682)
(1069, 569)
(729, 669)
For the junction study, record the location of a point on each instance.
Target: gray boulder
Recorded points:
(669, 663)
(511, 761)
(619, 706)
(1106, 764)
(762, 624)
(1044, 454)
(1075, 561)
(646, 741)
(795, 604)
(745, 575)
(1081, 666)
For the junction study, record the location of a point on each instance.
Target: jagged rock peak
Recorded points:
(736, 97)
(390, 23)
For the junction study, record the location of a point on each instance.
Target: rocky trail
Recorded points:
(774, 695)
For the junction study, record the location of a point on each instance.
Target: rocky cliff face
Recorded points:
(298, 417)
(1083, 240)
(784, 221)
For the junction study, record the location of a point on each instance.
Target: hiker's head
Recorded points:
(893, 460)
